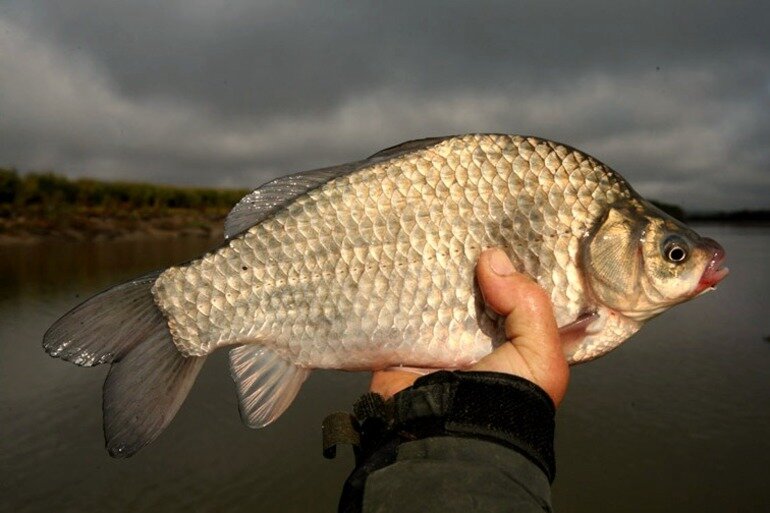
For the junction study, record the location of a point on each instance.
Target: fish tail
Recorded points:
(148, 378)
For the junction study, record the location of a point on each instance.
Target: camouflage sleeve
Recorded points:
(455, 441)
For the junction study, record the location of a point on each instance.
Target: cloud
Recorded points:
(237, 93)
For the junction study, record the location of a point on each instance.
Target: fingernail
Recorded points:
(500, 263)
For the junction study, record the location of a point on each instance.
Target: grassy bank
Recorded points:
(34, 206)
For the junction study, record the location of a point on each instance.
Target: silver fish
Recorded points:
(370, 265)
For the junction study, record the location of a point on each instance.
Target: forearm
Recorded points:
(456, 442)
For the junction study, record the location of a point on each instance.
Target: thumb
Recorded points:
(530, 326)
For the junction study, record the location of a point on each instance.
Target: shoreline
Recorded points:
(98, 227)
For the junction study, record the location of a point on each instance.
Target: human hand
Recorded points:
(533, 350)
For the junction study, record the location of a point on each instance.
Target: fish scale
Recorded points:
(379, 263)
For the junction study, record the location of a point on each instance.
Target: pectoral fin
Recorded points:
(572, 334)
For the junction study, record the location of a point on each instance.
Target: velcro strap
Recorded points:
(339, 428)
(371, 406)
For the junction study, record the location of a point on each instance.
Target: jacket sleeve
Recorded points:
(455, 441)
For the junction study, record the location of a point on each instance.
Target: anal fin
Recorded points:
(266, 383)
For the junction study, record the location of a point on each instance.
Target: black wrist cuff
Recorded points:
(492, 406)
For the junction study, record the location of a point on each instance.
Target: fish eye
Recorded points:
(675, 250)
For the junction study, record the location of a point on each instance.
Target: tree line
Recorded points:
(51, 191)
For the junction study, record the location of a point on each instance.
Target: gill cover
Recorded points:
(613, 258)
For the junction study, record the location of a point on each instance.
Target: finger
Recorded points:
(529, 319)
(389, 382)
(508, 292)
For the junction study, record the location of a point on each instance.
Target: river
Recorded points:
(677, 419)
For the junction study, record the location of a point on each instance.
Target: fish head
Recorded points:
(640, 262)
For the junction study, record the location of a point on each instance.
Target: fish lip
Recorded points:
(714, 272)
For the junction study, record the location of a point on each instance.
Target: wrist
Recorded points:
(501, 408)
(492, 406)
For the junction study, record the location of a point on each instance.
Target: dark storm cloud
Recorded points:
(239, 57)
(673, 94)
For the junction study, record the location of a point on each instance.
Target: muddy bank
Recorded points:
(31, 228)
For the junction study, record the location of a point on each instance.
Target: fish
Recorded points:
(370, 265)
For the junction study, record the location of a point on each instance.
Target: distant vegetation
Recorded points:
(40, 205)
(53, 192)
(674, 211)
(44, 205)
(737, 216)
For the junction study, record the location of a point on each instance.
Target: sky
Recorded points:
(674, 95)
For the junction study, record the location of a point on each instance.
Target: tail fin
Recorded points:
(148, 379)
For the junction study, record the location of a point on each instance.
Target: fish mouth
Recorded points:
(715, 271)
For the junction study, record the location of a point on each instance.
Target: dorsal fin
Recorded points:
(406, 147)
(264, 201)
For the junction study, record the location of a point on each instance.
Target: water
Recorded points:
(678, 419)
